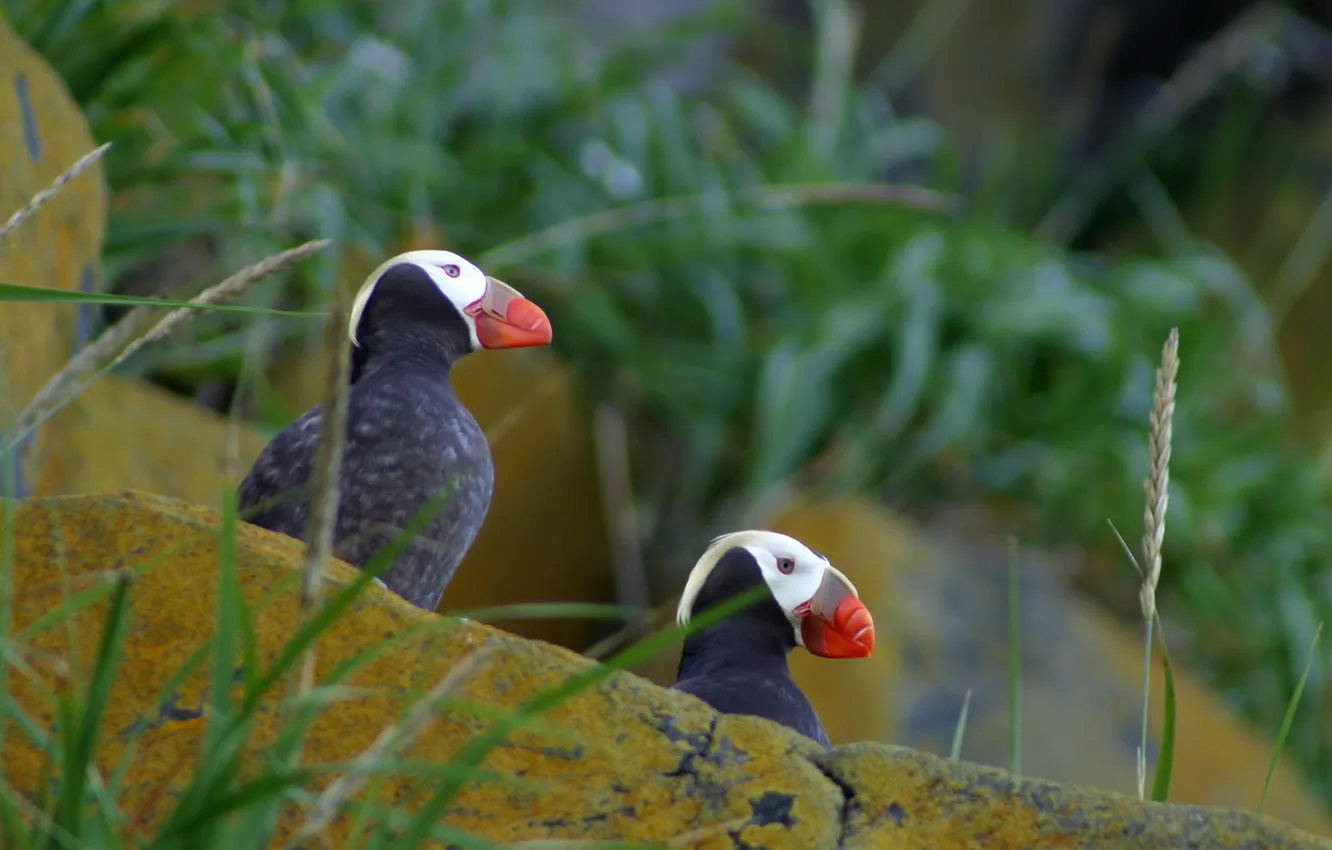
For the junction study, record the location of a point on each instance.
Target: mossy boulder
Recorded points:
(42, 133)
(125, 433)
(120, 432)
(623, 760)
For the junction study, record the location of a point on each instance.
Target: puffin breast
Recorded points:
(776, 699)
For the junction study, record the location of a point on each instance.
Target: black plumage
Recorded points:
(408, 440)
(739, 665)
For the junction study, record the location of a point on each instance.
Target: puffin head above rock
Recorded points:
(738, 665)
(443, 297)
(821, 605)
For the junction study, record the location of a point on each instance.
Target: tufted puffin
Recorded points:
(738, 665)
(409, 439)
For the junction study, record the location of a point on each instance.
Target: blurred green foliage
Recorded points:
(785, 307)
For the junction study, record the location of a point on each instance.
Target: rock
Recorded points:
(42, 133)
(128, 434)
(624, 760)
(119, 433)
(898, 797)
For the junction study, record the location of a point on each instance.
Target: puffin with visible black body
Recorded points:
(739, 665)
(408, 439)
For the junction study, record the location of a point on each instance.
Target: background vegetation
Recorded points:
(833, 295)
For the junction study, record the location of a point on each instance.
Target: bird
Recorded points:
(409, 440)
(738, 665)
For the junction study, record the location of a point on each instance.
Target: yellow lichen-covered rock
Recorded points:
(127, 434)
(119, 433)
(903, 798)
(623, 760)
(42, 133)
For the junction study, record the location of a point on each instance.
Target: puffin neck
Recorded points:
(410, 347)
(752, 640)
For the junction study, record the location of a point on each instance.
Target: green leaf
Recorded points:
(1014, 662)
(917, 347)
(550, 610)
(82, 724)
(1289, 717)
(960, 729)
(12, 833)
(261, 790)
(1165, 761)
(13, 292)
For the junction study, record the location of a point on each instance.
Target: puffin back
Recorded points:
(410, 447)
(273, 493)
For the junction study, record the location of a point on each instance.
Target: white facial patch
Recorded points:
(456, 278)
(775, 554)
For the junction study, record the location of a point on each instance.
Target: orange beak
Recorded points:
(505, 319)
(835, 623)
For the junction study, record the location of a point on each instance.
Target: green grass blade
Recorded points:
(8, 509)
(77, 602)
(1290, 717)
(12, 833)
(17, 292)
(1165, 761)
(85, 723)
(550, 611)
(1014, 664)
(262, 789)
(67, 608)
(1146, 703)
(226, 639)
(961, 729)
(607, 222)
(220, 748)
(9, 470)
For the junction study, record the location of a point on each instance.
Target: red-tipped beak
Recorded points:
(837, 624)
(505, 319)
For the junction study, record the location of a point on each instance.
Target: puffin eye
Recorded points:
(451, 270)
(786, 565)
